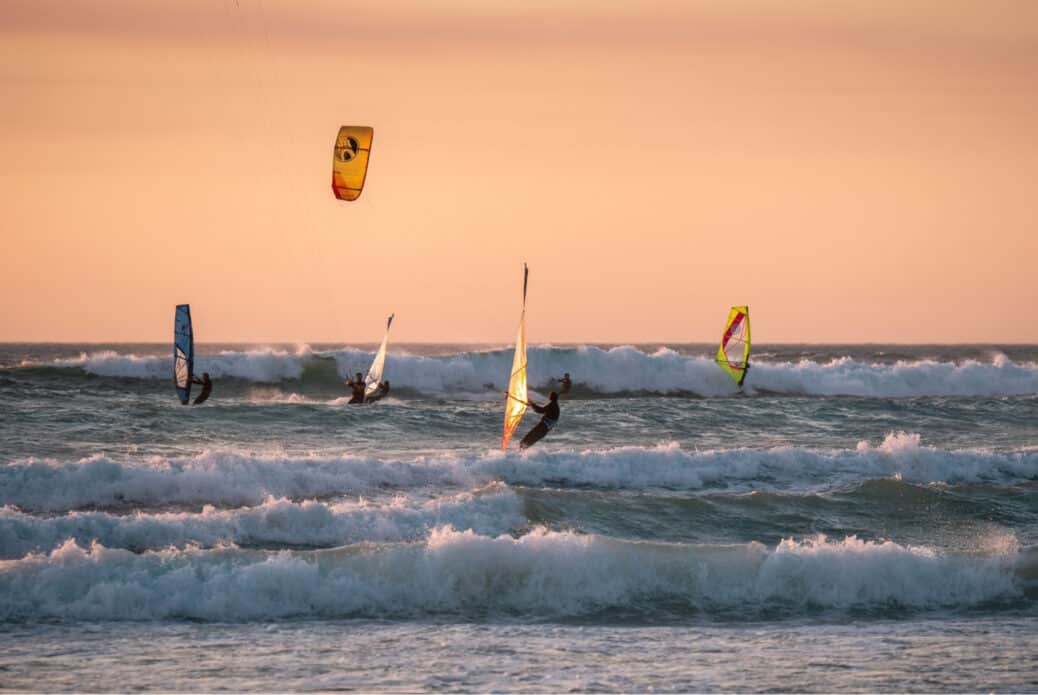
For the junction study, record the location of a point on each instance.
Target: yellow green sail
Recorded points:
(515, 401)
(733, 355)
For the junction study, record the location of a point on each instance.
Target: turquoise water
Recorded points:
(859, 518)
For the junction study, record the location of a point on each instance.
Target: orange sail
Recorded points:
(515, 401)
(350, 160)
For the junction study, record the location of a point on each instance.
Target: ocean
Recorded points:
(858, 518)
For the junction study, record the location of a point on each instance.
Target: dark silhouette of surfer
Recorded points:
(567, 384)
(379, 394)
(357, 387)
(207, 388)
(550, 416)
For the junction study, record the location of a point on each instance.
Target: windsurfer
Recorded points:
(379, 394)
(207, 387)
(357, 386)
(550, 416)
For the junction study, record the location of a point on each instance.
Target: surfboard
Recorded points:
(183, 352)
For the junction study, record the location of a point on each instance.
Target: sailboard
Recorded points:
(350, 160)
(733, 355)
(183, 352)
(374, 377)
(515, 401)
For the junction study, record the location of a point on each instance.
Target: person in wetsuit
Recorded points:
(207, 388)
(567, 384)
(379, 394)
(549, 417)
(357, 387)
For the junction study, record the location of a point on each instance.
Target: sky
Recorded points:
(855, 172)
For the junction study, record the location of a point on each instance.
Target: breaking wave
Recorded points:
(230, 478)
(273, 523)
(596, 371)
(261, 365)
(541, 574)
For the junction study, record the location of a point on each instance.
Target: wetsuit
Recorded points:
(357, 389)
(383, 389)
(550, 416)
(207, 388)
(567, 384)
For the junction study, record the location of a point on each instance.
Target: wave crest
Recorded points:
(596, 371)
(543, 573)
(273, 523)
(236, 479)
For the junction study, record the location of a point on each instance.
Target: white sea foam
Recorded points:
(604, 371)
(217, 477)
(274, 522)
(848, 377)
(267, 395)
(627, 369)
(461, 572)
(260, 365)
(277, 396)
(236, 479)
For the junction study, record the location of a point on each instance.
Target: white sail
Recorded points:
(374, 377)
(515, 401)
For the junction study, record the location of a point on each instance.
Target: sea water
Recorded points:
(856, 518)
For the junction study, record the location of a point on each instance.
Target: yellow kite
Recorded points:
(350, 161)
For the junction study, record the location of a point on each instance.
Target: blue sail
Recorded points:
(183, 352)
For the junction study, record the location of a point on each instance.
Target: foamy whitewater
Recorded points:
(858, 518)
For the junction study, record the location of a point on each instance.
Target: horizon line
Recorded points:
(566, 343)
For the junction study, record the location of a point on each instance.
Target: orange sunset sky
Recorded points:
(854, 171)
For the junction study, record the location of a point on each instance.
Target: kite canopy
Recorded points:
(350, 160)
(733, 355)
(515, 401)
